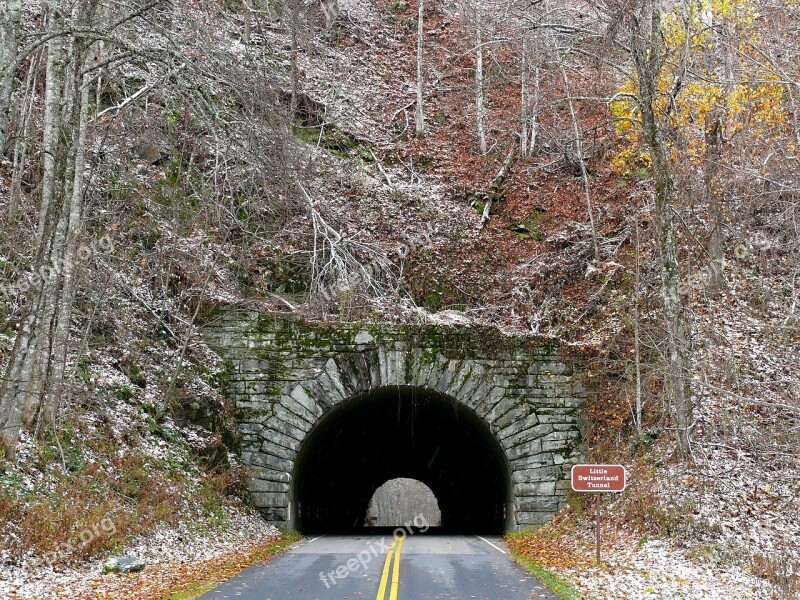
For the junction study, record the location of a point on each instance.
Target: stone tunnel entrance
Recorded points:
(393, 432)
(327, 412)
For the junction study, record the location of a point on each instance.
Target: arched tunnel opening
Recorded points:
(400, 432)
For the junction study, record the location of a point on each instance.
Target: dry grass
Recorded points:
(779, 569)
(95, 506)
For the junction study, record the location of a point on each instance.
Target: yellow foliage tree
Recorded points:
(746, 100)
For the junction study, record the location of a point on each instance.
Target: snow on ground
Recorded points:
(166, 550)
(653, 569)
(733, 512)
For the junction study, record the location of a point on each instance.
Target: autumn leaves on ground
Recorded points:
(189, 579)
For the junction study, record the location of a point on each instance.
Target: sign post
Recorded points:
(597, 531)
(598, 479)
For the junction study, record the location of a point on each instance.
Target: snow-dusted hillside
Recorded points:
(203, 190)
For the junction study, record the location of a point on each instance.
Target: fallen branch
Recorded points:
(335, 266)
(497, 187)
(291, 306)
(137, 94)
(401, 109)
(380, 167)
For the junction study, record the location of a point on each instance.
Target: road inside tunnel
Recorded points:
(400, 432)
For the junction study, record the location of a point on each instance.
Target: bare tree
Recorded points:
(330, 9)
(20, 153)
(580, 157)
(645, 44)
(529, 107)
(247, 16)
(712, 133)
(32, 386)
(295, 25)
(24, 393)
(10, 15)
(480, 112)
(419, 115)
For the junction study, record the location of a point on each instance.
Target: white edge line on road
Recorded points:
(491, 544)
(314, 539)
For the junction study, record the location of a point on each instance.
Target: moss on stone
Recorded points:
(277, 351)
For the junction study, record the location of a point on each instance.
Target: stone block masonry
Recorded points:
(286, 374)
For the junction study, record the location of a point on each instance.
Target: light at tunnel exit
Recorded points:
(401, 501)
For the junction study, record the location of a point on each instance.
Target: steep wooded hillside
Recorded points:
(622, 176)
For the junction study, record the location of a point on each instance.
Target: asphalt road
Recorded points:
(419, 567)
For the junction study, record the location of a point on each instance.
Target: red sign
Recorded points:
(598, 478)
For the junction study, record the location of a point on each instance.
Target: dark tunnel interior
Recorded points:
(400, 432)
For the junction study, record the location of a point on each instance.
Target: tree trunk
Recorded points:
(419, 115)
(73, 217)
(31, 389)
(793, 90)
(22, 384)
(712, 191)
(248, 23)
(716, 243)
(23, 128)
(10, 15)
(523, 93)
(498, 188)
(646, 52)
(331, 10)
(52, 118)
(534, 112)
(576, 129)
(637, 363)
(479, 89)
(295, 17)
(528, 108)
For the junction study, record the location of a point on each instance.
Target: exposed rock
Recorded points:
(124, 564)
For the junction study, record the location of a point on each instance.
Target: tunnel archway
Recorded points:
(400, 432)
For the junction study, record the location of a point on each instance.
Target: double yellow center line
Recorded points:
(393, 554)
